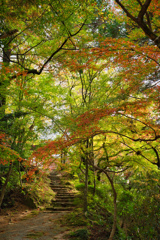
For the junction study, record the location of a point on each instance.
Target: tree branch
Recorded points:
(8, 34)
(38, 72)
(126, 11)
(143, 10)
(139, 20)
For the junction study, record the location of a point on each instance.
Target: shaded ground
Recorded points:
(26, 224)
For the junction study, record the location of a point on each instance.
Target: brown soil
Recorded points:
(22, 223)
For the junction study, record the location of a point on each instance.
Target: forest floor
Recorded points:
(22, 223)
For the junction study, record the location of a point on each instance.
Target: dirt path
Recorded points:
(42, 226)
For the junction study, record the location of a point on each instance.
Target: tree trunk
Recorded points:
(86, 188)
(91, 158)
(5, 184)
(19, 170)
(94, 182)
(3, 83)
(115, 207)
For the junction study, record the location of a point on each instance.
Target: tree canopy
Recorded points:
(80, 79)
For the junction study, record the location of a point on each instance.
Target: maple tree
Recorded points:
(21, 49)
(89, 73)
(131, 111)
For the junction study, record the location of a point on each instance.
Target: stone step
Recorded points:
(55, 182)
(63, 193)
(64, 196)
(52, 175)
(55, 179)
(63, 204)
(60, 188)
(58, 181)
(55, 176)
(58, 185)
(60, 209)
(63, 199)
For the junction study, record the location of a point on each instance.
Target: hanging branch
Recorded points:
(38, 72)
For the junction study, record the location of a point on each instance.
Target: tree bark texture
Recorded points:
(5, 184)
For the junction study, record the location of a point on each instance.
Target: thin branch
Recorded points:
(125, 10)
(38, 72)
(157, 155)
(140, 122)
(106, 170)
(19, 33)
(139, 153)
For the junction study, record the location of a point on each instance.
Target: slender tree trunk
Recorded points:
(114, 201)
(91, 158)
(115, 207)
(3, 86)
(6, 61)
(5, 184)
(94, 181)
(86, 188)
(20, 178)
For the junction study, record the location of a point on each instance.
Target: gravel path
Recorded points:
(44, 226)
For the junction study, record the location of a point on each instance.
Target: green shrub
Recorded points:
(39, 191)
(81, 234)
(76, 218)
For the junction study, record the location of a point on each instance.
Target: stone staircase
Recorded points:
(64, 199)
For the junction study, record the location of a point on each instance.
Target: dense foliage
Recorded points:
(79, 91)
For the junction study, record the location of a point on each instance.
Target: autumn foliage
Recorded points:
(80, 81)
